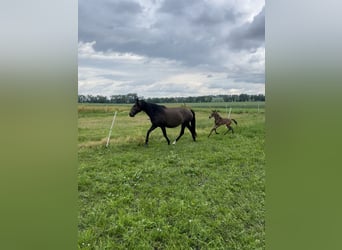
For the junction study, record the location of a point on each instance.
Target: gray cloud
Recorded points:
(189, 31)
(249, 35)
(177, 7)
(249, 77)
(198, 12)
(109, 23)
(199, 35)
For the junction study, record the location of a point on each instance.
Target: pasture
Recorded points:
(208, 194)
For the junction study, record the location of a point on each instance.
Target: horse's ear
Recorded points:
(137, 100)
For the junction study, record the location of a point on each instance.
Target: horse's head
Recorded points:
(213, 113)
(136, 108)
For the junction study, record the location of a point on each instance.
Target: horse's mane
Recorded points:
(152, 108)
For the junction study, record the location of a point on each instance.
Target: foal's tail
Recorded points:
(193, 123)
(234, 121)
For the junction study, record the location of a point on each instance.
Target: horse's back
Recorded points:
(176, 116)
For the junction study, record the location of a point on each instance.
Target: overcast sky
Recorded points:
(165, 48)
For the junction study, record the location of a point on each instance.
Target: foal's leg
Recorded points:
(213, 129)
(232, 130)
(148, 133)
(164, 133)
(229, 129)
(180, 134)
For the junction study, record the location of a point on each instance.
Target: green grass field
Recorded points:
(208, 194)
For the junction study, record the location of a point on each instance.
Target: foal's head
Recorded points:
(214, 114)
(136, 108)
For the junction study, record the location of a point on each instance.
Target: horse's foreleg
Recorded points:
(165, 135)
(180, 134)
(148, 133)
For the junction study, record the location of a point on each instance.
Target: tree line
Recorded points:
(131, 97)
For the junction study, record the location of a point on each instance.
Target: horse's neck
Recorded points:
(218, 118)
(150, 108)
(146, 108)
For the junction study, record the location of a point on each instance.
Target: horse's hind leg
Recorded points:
(193, 133)
(165, 135)
(229, 129)
(180, 134)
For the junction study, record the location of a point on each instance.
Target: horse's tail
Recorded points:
(193, 122)
(234, 121)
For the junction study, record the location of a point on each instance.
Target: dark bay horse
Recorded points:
(221, 121)
(164, 117)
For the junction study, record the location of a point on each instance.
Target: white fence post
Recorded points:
(111, 127)
(230, 110)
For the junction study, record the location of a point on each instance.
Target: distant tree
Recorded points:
(82, 98)
(208, 98)
(91, 98)
(113, 99)
(131, 97)
(261, 97)
(243, 98)
(101, 99)
(235, 98)
(217, 99)
(227, 98)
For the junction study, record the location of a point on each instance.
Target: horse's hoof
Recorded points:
(174, 143)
